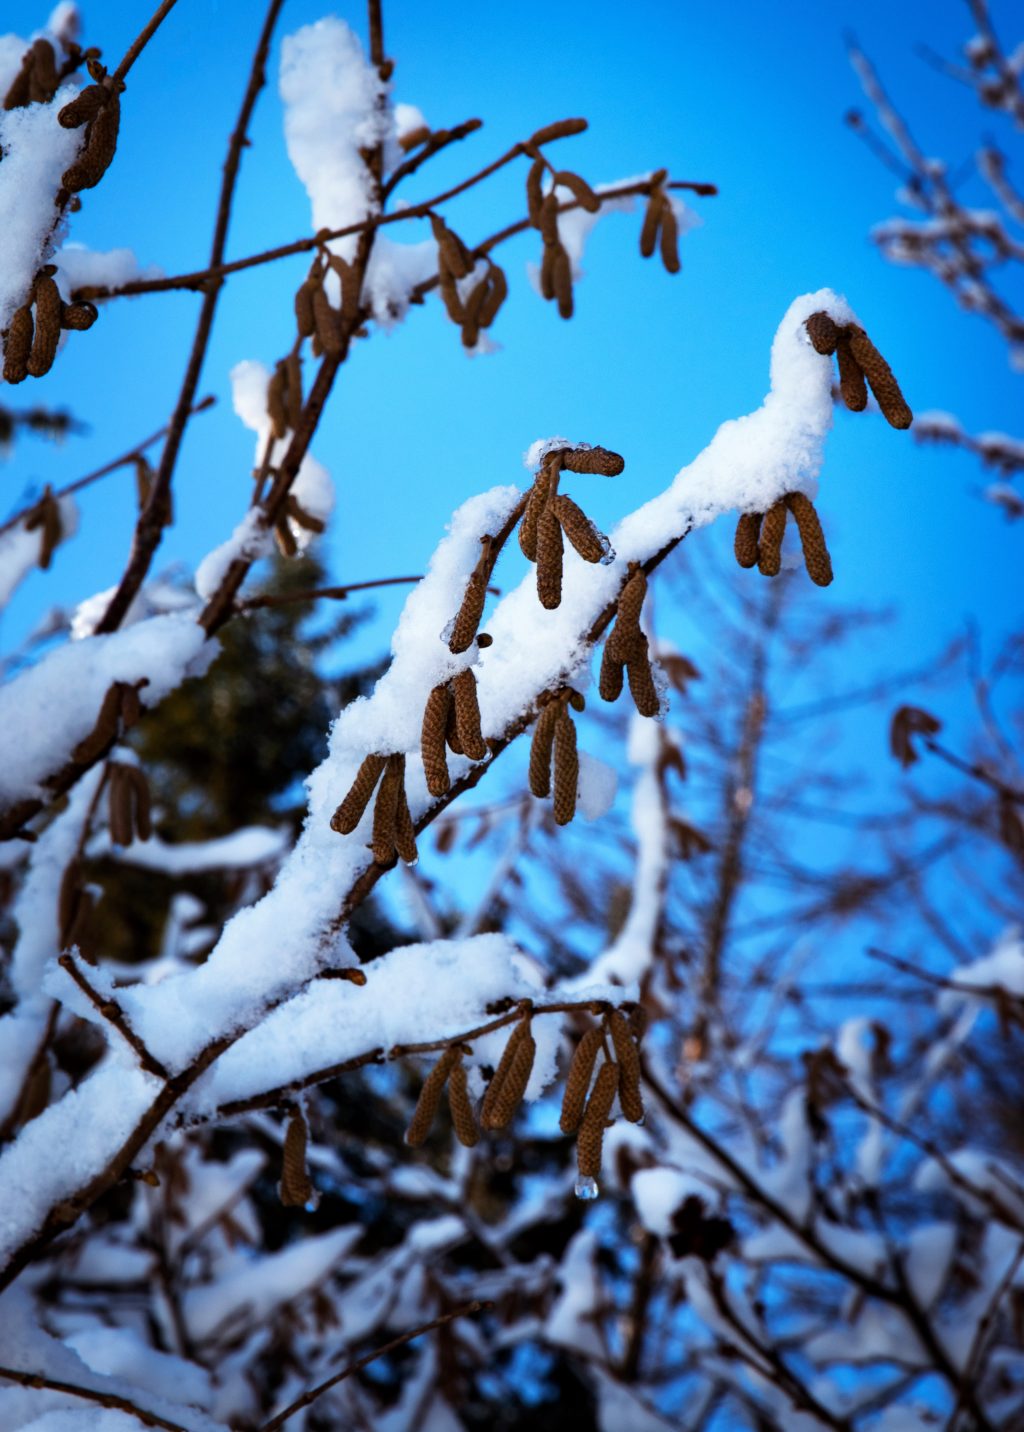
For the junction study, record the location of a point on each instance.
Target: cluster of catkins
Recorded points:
(660, 222)
(587, 1103)
(759, 534)
(477, 309)
(549, 515)
(98, 108)
(555, 264)
(35, 328)
(40, 75)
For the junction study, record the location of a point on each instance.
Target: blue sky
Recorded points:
(748, 96)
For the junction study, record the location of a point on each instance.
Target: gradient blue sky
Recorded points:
(747, 95)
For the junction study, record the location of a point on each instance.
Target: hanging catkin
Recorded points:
(823, 333)
(579, 529)
(405, 833)
(119, 806)
(540, 750)
(590, 1139)
(83, 108)
(773, 529)
(531, 517)
(293, 390)
(577, 1082)
(651, 223)
(641, 679)
(567, 768)
(611, 678)
(385, 811)
(549, 558)
(628, 1058)
(851, 377)
(350, 811)
(100, 147)
(812, 538)
(430, 1097)
(467, 714)
(47, 324)
(295, 1188)
(463, 1121)
(276, 410)
(467, 620)
(18, 345)
(880, 376)
(669, 238)
(505, 1091)
(748, 530)
(432, 743)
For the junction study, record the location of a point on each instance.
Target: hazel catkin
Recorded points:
(577, 1082)
(350, 812)
(590, 1140)
(773, 528)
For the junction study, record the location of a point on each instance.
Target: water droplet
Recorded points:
(586, 1188)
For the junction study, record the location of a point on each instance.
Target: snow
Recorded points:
(596, 787)
(928, 1260)
(20, 549)
(47, 710)
(250, 846)
(255, 1288)
(36, 152)
(571, 1322)
(659, 1192)
(81, 267)
(249, 541)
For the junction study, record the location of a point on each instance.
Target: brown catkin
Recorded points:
(53, 530)
(47, 327)
(487, 1110)
(581, 190)
(748, 530)
(561, 129)
(610, 681)
(44, 79)
(669, 239)
(812, 539)
(497, 292)
(567, 769)
(471, 321)
(143, 803)
(590, 1140)
(652, 223)
(641, 680)
(625, 637)
(405, 831)
(385, 812)
(549, 558)
(451, 732)
(773, 527)
(467, 621)
(534, 191)
(851, 377)
(18, 345)
(463, 1121)
(531, 517)
(549, 224)
(304, 307)
(508, 1095)
(119, 806)
(628, 1058)
(430, 1097)
(293, 390)
(68, 900)
(350, 812)
(105, 731)
(435, 719)
(450, 294)
(83, 108)
(467, 714)
(600, 461)
(880, 376)
(296, 1190)
(547, 286)
(823, 333)
(325, 321)
(561, 281)
(540, 750)
(78, 316)
(577, 1081)
(276, 411)
(100, 147)
(579, 529)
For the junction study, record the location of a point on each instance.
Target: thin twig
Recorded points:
(152, 519)
(105, 1399)
(477, 1306)
(141, 40)
(113, 1014)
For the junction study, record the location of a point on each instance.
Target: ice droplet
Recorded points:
(586, 1188)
